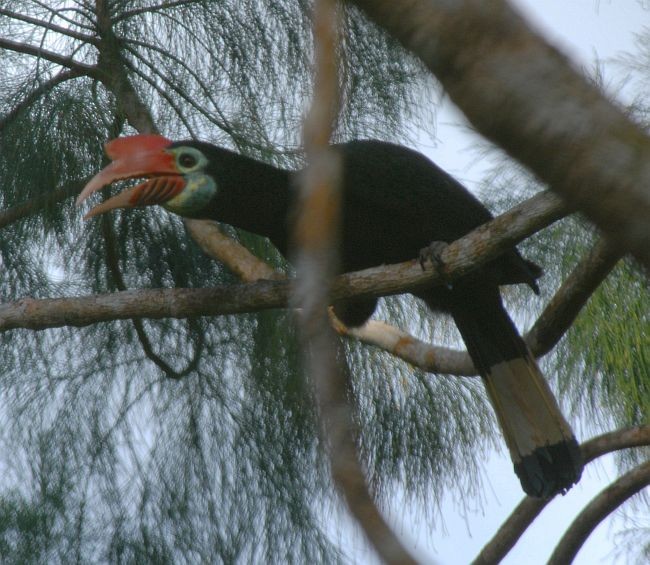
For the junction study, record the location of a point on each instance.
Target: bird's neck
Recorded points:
(253, 196)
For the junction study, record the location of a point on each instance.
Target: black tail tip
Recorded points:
(550, 469)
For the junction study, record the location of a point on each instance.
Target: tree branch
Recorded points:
(113, 73)
(315, 238)
(226, 250)
(529, 508)
(553, 323)
(597, 510)
(420, 354)
(570, 298)
(33, 205)
(68, 62)
(525, 96)
(34, 94)
(67, 31)
(150, 9)
(474, 249)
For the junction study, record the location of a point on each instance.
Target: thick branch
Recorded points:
(529, 508)
(597, 510)
(154, 304)
(477, 247)
(525, 96)
(51, 56)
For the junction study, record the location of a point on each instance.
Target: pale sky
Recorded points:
(586, 30)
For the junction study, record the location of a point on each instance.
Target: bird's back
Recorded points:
(396, 201)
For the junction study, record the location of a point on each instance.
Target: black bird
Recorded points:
(395, 203)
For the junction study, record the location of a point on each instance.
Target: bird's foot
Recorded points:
(432, 253)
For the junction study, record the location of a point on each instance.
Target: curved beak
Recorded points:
(133, 157)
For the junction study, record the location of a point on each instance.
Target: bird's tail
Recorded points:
(542, 445)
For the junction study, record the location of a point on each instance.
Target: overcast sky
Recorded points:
(586, 30)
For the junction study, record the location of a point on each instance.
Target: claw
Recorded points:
(433, 253)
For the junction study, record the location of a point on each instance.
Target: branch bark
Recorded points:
(226, 250)
(460, 256)
(570, 298)
(529, 508)
(553, 323)
(525, 96)
(35, 51)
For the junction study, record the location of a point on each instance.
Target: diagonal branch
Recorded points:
(597, 510)
(529, 508)
(524, 95)
(67, 31)
(573, 294)
(226, 250)
(37, 92)
(33, 205)
(68, 62)
(153, 9)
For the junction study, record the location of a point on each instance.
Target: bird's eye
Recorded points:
(187, 160)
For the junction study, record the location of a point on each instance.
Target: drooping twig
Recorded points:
(525, 95)
(113, 265)
(529, 508)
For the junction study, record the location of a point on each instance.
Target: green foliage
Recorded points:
(108, 459)
(104, 457)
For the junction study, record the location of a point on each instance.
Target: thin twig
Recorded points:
(153, 9)
(37, 92)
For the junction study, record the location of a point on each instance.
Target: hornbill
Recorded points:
(395, 202)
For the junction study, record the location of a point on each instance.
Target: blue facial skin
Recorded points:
(198, 191)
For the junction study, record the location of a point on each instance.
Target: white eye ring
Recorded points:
(187, 160)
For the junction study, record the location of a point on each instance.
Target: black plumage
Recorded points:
(395, 202)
